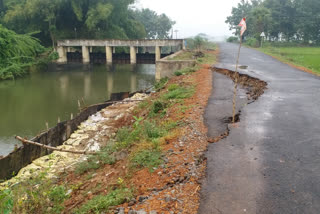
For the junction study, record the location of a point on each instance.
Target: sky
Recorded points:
(193, 17)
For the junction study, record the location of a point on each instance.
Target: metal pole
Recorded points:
(236, 84)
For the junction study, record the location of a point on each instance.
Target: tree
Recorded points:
(16, 53)
(294, 20)
(157, 26)
(242, 10)
(60, 19)
(260, 18)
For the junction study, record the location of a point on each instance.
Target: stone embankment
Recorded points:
(91, 135)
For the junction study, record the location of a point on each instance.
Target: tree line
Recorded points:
(285, 20)
(50, 20)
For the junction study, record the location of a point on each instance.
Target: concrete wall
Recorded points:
(166, 67)
(121, 43)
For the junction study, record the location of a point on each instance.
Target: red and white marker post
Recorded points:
(243, 26)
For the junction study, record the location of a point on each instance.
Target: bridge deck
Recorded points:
(120, 43)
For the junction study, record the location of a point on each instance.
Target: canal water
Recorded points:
(26, 104)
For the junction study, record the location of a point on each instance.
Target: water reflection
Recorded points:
(26, 104)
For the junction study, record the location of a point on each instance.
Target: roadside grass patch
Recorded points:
(208, 58)
(149, 158)
(307, 57)
(179, 92)
(102, 203)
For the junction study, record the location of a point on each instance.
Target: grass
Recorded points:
(161, 83)
(36, 195)
(186, 55)
(104, 156)
(150, 158)
(102, 203)
(307, 57)
(208, 58)
(179, 92)
(6, 201)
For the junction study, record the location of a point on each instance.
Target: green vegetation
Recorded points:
(102, 203)
(50, 20)
(149, 158)
(307, 57)
(186, 55)
(36, 195)
(156, 26)
(179, 92)
(161, 83)
(17, 53)
(233, 39)
(200, 42)
(285, 20)
(6, 201)
(56, 19)
(104, 156)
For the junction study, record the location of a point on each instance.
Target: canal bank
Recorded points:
(46, 97)
(155, 150)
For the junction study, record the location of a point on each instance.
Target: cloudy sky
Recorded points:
(193, 17)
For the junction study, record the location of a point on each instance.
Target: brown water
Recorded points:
(26, 104)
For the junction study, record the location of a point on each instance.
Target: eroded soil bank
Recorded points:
(152, 156)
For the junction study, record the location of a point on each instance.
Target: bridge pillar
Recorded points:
(85, 54)
(133, 55)
(62, 54)
(158, 53)
(183, 44)
(109, 51)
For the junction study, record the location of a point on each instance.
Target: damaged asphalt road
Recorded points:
(270, 162)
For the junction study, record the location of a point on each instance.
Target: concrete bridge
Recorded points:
(64, 45)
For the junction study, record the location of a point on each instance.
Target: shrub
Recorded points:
(158, 106)
(233, 39)
(252, 42)
(178, 73)
(152, 131)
